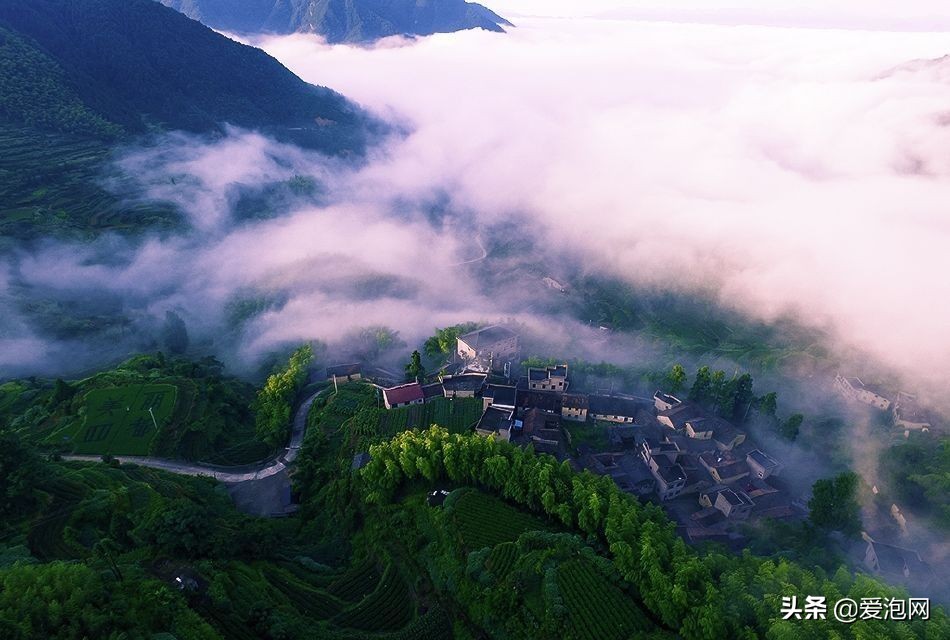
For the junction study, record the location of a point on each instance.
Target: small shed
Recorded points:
(345, 372)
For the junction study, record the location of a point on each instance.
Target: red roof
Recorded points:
(404, 393)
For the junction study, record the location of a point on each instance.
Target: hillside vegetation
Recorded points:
(700, 595)
(106, 545)
(79, 77)
(141, 66)
(522, 546)
(34, 90)
(148, 405)
(51, 185)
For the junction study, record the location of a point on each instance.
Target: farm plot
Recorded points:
(598, 610)
(311, 602)
(358, 581)
(502, 558)
(594, 435)
(485, 521)
(389, 607)
(121, 420)
(457, 415)
(45, 538)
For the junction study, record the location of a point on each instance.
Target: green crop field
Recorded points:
(485, 521)
(592, 434)
(458, 415)
(502, 558)
(357, 582)
(305, 597)
(352, 419)
(388, 607)
(597, 610)
(118, 420)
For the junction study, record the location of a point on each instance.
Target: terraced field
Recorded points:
(357, 582)
(485, 521)
(303, 596)
(597, 610)
(502, 558)
(388, 607)
(52, 184)
(45, 538)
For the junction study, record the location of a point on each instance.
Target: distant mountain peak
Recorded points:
(342, 20)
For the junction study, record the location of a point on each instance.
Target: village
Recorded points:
(710, 476)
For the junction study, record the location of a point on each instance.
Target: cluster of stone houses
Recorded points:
(466, 385)
(536, 408)
(661, 447)
(705, 471)
(907, 411)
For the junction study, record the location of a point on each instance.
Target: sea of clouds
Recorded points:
(789, 159)
(782, 160)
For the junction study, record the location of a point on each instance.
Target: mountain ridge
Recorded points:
(342, 20)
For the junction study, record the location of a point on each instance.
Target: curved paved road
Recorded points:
(266, 469)
(481, 247)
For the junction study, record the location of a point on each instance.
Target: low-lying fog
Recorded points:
(780, 161)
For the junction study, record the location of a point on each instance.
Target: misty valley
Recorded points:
(429, 320)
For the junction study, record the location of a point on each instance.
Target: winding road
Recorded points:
(266, 469)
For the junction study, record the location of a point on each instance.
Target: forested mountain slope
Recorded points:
(139, 66)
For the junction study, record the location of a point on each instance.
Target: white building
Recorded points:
(854, 389)
(493, 345)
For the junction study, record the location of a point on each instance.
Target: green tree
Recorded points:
(181, 527)
(834, 504)
(444, 340)
(20, 470)
(740, 397)
(720, 393)
(71, 601)
(415, 370)
(790, 427)
(676, 379)
(767, 405)
(702, 385)
(62, 392)
(275, 400)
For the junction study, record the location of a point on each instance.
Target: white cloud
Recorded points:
(786, 165)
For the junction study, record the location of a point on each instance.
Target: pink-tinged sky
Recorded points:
(916, 15)
(787, 168)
